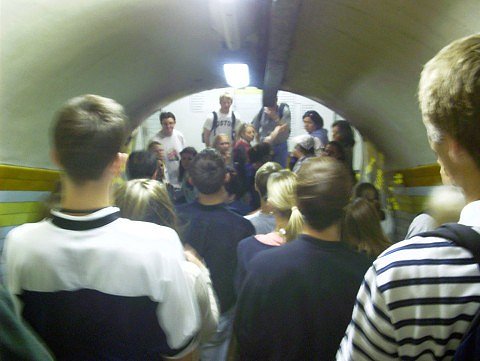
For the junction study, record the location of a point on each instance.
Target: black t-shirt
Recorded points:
(297, 300)
(214, 232)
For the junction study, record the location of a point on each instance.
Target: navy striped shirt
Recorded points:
(416, 301)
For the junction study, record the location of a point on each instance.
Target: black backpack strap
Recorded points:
(214, 123)
(281, 108)
(233, 126)
(463, 236)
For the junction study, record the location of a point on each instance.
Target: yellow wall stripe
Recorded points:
(17, 219)
(26, 185)
(27, 179)
(20, 207)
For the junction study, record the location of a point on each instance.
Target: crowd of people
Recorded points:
(244, 147)
(227, 253)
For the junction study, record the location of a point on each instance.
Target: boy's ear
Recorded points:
(455, 150)
(54, 157)
(227, 178)
(118, 164)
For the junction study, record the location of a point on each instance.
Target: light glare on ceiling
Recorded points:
(237, 75)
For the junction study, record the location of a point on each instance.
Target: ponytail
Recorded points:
(295, 224)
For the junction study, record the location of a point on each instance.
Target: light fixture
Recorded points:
(237, 75)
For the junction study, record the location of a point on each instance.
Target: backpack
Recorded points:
(281, 107)
(466, 237)
(215, 125)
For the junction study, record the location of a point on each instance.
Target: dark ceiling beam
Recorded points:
(283, 20)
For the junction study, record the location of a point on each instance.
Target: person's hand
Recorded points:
(271, 112)
(282, 128)
(192, 256)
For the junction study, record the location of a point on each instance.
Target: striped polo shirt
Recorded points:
(416, 301)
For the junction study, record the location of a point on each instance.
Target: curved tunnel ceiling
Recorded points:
(360, 58)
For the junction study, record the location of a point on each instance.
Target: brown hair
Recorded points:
(207, 171)
(449, 94)
(361, 228)
(323, 190)
(243, 128)
(88, 132)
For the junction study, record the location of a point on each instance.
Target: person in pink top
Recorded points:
(281, 188)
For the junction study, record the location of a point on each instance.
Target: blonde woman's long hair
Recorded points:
(361, 228)
(281, 190)
(146, 200)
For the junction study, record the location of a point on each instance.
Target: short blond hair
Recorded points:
(226, 96)
(449, 94)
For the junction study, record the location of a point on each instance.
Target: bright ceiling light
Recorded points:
(237, 75)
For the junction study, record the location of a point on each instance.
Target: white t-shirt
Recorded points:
(113, 260)
(224, 125)
(172, 146)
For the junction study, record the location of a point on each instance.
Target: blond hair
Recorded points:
(448, 93)
(218, 138)
(281, 188)
(226, 96)
(146, 200)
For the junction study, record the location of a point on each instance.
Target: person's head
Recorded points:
(323, 190)
(369, 192)
(246, 132)
(234, 185)
(207, 171)
(335, 150)
(449, 97)
(281, 189)
(167, 121)
(88, 134)
(361, 228)
(342, 132)
(260, 153)
(445, 204)
(226, 101)
(312, 121)
(222, 143)
(146, 200)
(186, 156)
(141, 164)
(157, 149)
(262, 175)
(304, 146)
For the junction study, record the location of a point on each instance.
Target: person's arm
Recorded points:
(205, 294)
(177, 313)
(207, 130)
(17, 341)
(279, 129)
(206, 137)
(256, 125)
(371, 334)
